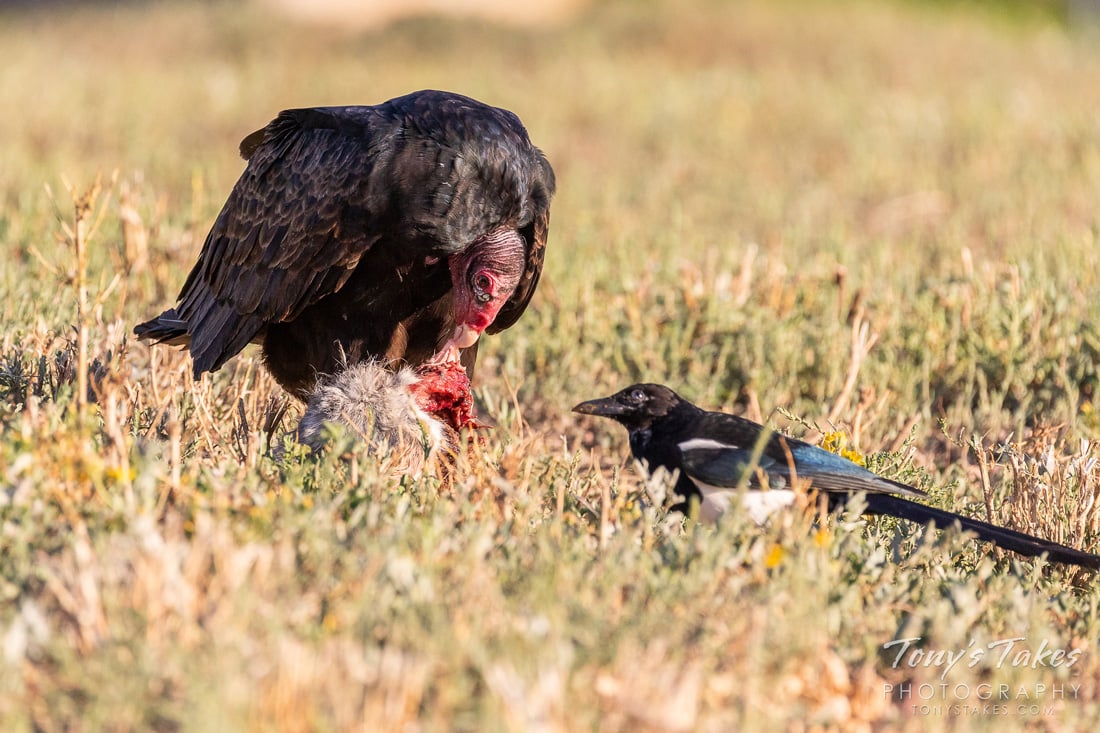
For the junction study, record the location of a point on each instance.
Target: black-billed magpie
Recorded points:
(715, 454)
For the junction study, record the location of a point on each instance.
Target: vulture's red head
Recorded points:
(483, 276)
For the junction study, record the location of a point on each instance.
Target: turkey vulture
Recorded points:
(398, 232)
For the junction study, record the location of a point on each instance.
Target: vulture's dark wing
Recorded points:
(291, 232)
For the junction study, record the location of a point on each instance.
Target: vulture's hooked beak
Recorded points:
(464, 337)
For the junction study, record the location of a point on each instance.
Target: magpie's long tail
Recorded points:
(1024, 544)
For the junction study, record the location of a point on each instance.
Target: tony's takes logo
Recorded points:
(997, 654)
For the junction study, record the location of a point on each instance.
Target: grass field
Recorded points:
(873, 219)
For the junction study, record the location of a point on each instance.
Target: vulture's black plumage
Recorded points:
(399, 231)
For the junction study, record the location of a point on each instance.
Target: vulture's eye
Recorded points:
(481, 284)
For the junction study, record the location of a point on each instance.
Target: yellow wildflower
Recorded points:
(837, 442)
(116, 473)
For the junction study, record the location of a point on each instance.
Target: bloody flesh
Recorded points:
(444, 391)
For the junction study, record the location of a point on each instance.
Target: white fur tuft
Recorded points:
(375, 403)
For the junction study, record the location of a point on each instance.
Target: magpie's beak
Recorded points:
(604, 407)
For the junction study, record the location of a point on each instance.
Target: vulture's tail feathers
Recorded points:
(221, 333)
(167, 328)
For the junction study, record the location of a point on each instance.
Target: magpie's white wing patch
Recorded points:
(705, 444)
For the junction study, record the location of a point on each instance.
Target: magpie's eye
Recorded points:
(636, 396)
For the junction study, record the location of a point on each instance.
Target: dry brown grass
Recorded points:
(877, 219)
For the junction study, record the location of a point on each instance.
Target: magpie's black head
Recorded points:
(636, 407)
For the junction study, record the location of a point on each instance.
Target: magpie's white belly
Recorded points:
(759, 504)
